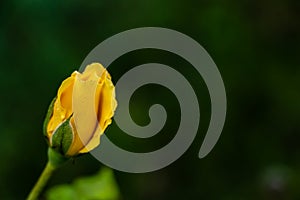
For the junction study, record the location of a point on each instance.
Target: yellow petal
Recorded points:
(105, 107)
(77, 144)
(91, 98)
(94, 68)
(106, 102)
(84, 113)
(62, 109)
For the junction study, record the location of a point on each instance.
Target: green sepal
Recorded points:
(55, 158)
(62, 137)
(48, 116)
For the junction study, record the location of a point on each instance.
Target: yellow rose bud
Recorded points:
(81, 111)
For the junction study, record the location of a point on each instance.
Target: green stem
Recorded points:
(42, 181)
(55, 160)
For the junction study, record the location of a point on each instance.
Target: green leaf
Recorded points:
(62, 137)
(48, 116)
(101, 186)
(63, 192)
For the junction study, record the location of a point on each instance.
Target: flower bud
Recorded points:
(69, 127)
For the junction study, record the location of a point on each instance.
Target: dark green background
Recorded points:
(255, 45)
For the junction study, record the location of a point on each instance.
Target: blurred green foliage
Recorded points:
(255, 45)
(101, 186)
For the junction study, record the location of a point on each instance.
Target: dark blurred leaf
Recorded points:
(101, 186)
